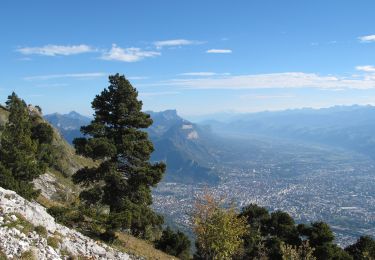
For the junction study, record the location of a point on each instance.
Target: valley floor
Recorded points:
(310, 183)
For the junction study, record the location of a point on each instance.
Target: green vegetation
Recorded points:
(255, 233)
(27, 255)
(2, 255)
(219, 231)
(18, 151)
(174, 243)
(42, 231)
(304, 251)
(123, 179)
(53, 241)
(20, 223)
(364, 248)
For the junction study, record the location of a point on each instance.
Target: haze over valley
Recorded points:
(283, 160)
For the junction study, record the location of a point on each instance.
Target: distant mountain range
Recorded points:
(348, 127)
(68, 124)
(178, 142)
(192, 150)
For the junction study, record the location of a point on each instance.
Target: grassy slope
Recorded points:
(68, 163)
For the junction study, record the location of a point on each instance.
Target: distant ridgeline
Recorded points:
(348, 127)
(68, 124)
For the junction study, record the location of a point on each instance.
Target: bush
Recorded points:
(68, 217)
(43, 132)
(42, 231)
(53, 242)
(174, 243)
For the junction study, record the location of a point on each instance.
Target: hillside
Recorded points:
(57, 189)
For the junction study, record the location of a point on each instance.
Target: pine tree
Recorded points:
(18, 151)
(124, 177)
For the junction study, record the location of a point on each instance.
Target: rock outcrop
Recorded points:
(27, 229)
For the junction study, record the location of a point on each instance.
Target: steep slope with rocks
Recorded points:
(27, 229)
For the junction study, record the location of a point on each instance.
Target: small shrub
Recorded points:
(27, 255)
(53, 242)
(42, 231)
(3, 255)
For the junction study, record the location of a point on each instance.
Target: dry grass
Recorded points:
(46, 202)
(133, 245)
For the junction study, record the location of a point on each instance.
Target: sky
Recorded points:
(199, 56)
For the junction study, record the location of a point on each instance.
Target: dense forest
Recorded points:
(115, 191)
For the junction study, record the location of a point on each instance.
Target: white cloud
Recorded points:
(272, 80)
(367, 38)
(128, 54)
(53, 50)
(224, 51)
(136, 78)
(71, 75)
(264, 97)
(366, 68)
(175, 43)
(203, 74)
(161, 93)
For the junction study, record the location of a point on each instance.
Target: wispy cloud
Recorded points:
(272, 80)
(175, 43)
(136, 77)
(251, 96)
(161, 93)
(71, 75)
(52, 85)
(367, 38)
(223, 51)
(366, 68)
(203, 74)
(128, 54)
(54, 50)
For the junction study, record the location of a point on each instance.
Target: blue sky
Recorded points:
(199, 57)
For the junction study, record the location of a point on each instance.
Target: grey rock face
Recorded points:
(16, 240)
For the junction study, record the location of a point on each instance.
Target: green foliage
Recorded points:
(331, 251)
(174, 243)
(125, 175)
(2, 255)
(27, 255)
(302, 252)
(322, 238)
(41, 230)
(53, 241)
(21, 223)
(363, 249)
(218, 231)
(276, 236)
(282, 226)
(18, 151)
(43, 133)
(319, 233)
(67, 216)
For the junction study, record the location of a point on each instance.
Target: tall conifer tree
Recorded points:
(124, 177)
(18, 151)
